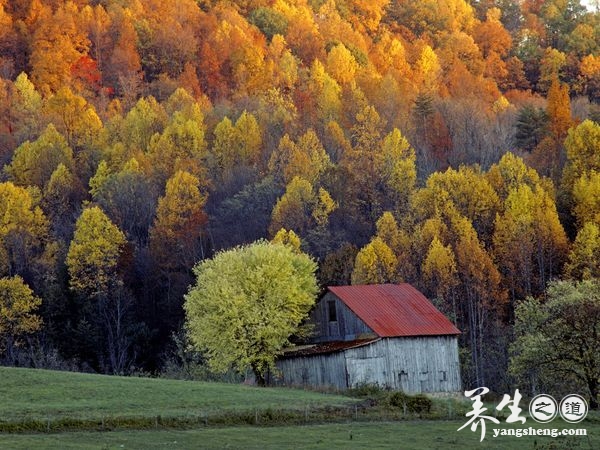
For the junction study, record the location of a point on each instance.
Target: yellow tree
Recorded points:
(400, 243)
(247, 302)
(34, 162)
(428, 71)
(375, 263)
(326, 92)
(17, 313)
(94, 254)
(583, 152)
(467, 190)
(397, 167)
(181, 145)
(529, 241)
(586, 194)
(289, 238)
(176, 235)
(23, 230)
(482, 297)
(300, 208)
(440, 274)
(584, 257)
(341, 64)
(74, 118)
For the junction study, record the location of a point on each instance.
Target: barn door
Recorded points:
(365, 371)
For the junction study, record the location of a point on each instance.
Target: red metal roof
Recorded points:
(394, 310)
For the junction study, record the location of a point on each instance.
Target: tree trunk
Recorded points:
(260, 378)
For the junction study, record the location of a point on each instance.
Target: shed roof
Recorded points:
(326, 347)
(393, 310)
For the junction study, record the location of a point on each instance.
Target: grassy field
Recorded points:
(84, 405)
(414, 435)
(40, 395)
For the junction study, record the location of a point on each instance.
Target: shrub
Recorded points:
(419, 404)
(398, 399)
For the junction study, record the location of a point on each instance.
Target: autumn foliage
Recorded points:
(450, 144)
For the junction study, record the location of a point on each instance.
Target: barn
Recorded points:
(387, 334)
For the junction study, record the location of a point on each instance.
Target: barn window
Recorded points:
(443, 375)
(332, 311)
(402, 376)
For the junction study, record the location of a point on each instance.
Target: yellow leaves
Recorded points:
(375, 263)
(20, 215)
(306, 158)
(239, 144)
(17, 306)
(323, 207)
(428, 70)
(98, 180)
(341, 64)
(439, 269)
(398, 168)
(180, 218)
(74, 117)
(94, 253)
(586, 193)
(584, 258)
(247, 302)
(326, 91)
(528, 235)
(583, 152)
(34, 162)
(300, 207)
(510, 172)
(289, 238)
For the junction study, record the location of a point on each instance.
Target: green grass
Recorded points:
(413, 435)
(41, 395)
(156, 413)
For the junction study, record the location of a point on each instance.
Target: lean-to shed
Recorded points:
(387, 334)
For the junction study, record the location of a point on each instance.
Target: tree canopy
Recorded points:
(246, 304)
(559, 339)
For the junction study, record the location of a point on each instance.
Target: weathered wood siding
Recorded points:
(410, 364)
(347, 327)
(325, 370)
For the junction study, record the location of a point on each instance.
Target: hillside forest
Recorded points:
(451, 144)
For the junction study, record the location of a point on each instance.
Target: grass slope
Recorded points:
(29, 394)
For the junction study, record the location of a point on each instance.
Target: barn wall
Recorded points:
(325, 370)
(410, 364)
(348, 326)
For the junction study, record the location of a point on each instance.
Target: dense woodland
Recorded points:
(451, 144)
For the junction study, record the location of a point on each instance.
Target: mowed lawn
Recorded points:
(27, 394)
(413, 435)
